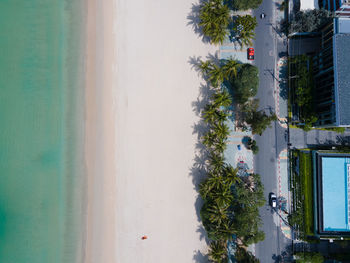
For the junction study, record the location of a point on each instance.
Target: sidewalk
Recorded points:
(283, 193)
(281, 91)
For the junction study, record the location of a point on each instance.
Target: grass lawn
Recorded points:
(306, 187)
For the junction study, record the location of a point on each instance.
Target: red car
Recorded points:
(250, 53)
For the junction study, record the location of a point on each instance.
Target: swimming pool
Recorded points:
(335, 193)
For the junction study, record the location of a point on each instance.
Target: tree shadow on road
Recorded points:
(343, 140)
(285, 256)
(283, 89)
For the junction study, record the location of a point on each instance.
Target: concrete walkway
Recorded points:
(283, 193)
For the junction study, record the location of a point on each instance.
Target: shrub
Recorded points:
(246, 84)
(246, 4)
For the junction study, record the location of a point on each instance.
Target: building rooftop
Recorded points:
(308, 4)
(342, 25)
(342, 78)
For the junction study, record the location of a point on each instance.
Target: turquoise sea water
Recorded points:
(41, 116)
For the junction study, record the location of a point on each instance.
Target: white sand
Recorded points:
(140, 141)
(155, 143)
(100, 132)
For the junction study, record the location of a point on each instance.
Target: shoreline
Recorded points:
(100, 132)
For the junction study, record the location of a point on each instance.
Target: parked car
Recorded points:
(251, 53)
(273, 200)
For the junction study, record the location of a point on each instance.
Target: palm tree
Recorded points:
(209, 139)
(214, 19)
(230, 175)
(246, 38)
(244, 27)
(230, 68)
(219, 146)
(218, 251)
(213, 114)
(223, 196)
(222, 99)
(212, 184)
(223, 231)
(216, 162)
(216, 76)
(217, 214)
(210, 113)
(205, 66)
(221, 130)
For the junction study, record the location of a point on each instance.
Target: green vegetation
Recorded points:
(341, 257)
(306, 177)
(245, 87)
(310, 20)
(244, 256)
(335, 129)
(309, 257)
(301, 217)
(301, 87)
(248, 197)
(246, 84)
(217, 74)
(244, 28)
(259, 121)
(214, 19)
(282, 6)
(231, 202)
(246, 4)
(251, 145)
(217, 252)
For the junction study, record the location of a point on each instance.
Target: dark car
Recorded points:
(251, 53)
(273, 200)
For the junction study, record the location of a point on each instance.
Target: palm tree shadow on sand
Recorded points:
(194, 20)
(200, 257)
(198, 170)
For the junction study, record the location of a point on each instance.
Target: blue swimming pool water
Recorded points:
(334, 188)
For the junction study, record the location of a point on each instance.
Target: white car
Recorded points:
(273, 200)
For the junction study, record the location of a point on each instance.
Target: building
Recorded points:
(331, 70)
(334, 5)
(308, 4)
(331, 172)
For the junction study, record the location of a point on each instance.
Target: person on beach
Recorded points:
(144, 237)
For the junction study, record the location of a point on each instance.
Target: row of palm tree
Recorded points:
(215, 20)
(218, 189)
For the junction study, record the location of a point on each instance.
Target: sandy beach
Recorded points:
(140, 140)
(100, 132)
(155, 139)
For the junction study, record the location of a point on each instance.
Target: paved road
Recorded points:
(267, 50)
